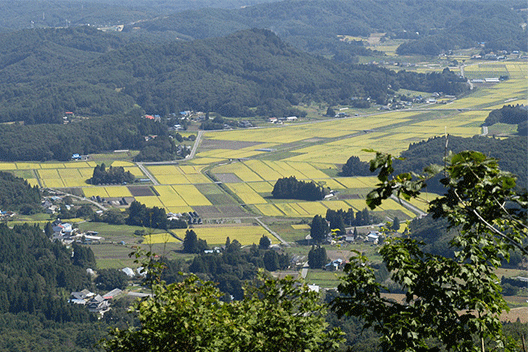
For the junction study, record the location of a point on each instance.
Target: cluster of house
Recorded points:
(49, 206)
(372, 237)
(95, 303)
(66, 234)
(499, 55)
(6, 215)
(282, 119)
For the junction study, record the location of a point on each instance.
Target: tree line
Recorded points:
(291, 188)
(112, 175)
(18, 195)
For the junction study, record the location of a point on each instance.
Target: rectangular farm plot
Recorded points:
(86, 173)
(351, 182)
(263, 170)
(134, 170)
(308, 170)
(285, 169)
(246, 235)
(176, 179)
(94, 192)
(168, 174)
(246, 174)
(164, 170)
(191, 195)
(269, 210)
(190, 169)
(336, 204)
(332, 184)
(32, 181)
(179, 210)
(52, 165)
(150, 202)
(287, 209)
(119, 163)
(313, 208)
(27, 166)
(118, 191)
(169, 197)
(299, 209)
(69, 173)
(197, 178)
(246, 193)
(159, 238)
(74, 182)
(357, 204)
(8, 166)
(48, 174)
(80, 164)
(261, 187)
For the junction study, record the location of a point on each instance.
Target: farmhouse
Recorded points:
(373, 237)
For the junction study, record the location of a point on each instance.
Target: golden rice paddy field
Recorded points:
(216, 235)
(249, 161)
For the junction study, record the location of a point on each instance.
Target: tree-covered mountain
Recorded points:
(17, 195)
(314, 26)
(61, 13)
(247, 73)
(511, 154)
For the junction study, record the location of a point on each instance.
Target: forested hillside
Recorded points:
(248, 73)
(510, 152)
(59, 142)
(314, 25)
(17, 195)
(60, 13)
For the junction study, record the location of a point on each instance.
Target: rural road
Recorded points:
(196, 144)
(148, 174)
(276, 235)
(78, 197)
(408, 206)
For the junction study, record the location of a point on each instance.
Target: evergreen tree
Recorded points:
(271, 260)
(396, 224)
(190, 242)
(264, 242)
(317, 258)
(318, 229)
(330, 112)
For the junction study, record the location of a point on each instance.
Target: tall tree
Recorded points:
(453, 300)
(318, 229)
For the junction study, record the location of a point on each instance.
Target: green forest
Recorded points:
(17, 195)
(314, 26)
(252, 72)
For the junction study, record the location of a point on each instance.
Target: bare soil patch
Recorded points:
(232, 211)
(207, 211)
(228, 178)
(520, 313)
(140, 191)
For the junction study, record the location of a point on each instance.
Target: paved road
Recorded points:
(409, 206)
(276, 235)
(147, 173)
(196, 144)
(304, 271)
